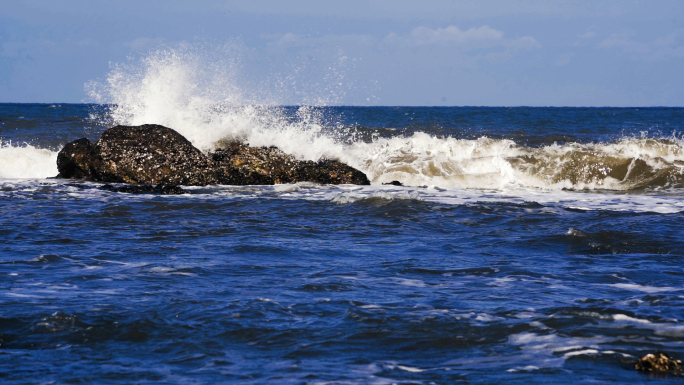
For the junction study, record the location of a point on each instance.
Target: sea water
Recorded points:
(525, 245)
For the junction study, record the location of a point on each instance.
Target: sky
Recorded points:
(383, 52)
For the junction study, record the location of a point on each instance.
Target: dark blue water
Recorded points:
(341, 284)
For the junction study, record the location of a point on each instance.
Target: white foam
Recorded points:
(408, 282)
(26, 162)
(674, 329)
(422, 159)
(581, 353)
(410, 369)
(487, 163)
(626, 318)
(645, 289)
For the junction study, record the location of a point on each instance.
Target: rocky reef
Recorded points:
(157, 155)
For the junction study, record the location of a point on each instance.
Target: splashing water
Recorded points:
(197, 94)
(26, 161)
(200, 96)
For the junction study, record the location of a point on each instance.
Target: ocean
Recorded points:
(524, 245)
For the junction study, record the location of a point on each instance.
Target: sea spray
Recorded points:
(197, 92)
(26, 161)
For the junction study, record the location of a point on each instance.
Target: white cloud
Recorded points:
(473, 38)
(564, 59)
(483, 37)
(622, 40)
(591, 32)
(586, 37)
(525, 42)
(453, 34)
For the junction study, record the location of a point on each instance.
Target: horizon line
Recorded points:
(372, 106)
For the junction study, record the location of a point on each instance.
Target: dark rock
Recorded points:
(151, 154)
(331, 172)
(154, 155)
(78, 159)
(394, 183)
(161, 189)
(658, 362)
(242, 164)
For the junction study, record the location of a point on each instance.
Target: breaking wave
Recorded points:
(421, 159)
(26, 161)
(199, 95)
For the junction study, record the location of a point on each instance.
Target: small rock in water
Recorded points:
(658, 362)
(394, 183)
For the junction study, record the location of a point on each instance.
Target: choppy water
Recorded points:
(529, 244)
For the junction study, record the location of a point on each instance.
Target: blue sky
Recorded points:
(473, 53)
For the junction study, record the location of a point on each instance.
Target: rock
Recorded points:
(151, 154)
(242, 164)
(658, 362)
(78, 159)
(331, 172)
(394, 183)
(161, 189)
(239, 164)
(154, 155)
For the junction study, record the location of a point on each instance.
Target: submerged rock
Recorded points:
(162, 189)
(154, 155)
(658, 362)
(395, 183)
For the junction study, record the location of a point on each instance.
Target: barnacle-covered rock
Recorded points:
(153, 154)
(241, 164)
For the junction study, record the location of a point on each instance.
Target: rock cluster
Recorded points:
(157, 155)
(658, 362)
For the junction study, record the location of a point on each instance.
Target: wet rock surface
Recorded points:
(151, 154)
(157, 155)
(239, 164)
(658, 362)
(78, 159)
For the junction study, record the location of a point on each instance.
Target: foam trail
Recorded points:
(27, 162)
